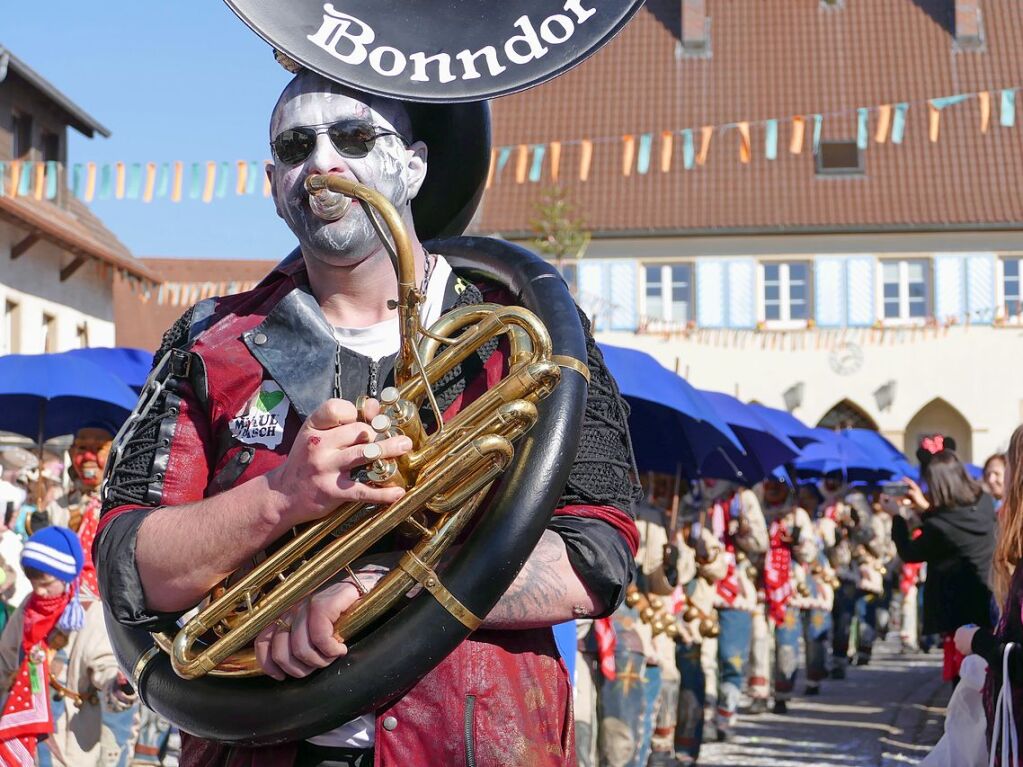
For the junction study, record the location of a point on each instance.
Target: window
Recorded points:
(905, 290)
(1012, 302)
(21, 135)
(9, 341)
(49, 330)
(786, 291)
(668, 290)
(839, 158)
(51, 147)
(570, 272)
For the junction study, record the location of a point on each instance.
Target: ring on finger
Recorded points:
(283, 624)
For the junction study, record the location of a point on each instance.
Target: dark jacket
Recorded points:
(957, 544)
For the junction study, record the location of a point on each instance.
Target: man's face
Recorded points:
(89, 454)
(390, 168)
(775, 493)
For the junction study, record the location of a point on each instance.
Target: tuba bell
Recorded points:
(490, 476)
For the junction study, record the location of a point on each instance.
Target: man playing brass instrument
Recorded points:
(257, 432)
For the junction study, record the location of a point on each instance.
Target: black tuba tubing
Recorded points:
(394, 656)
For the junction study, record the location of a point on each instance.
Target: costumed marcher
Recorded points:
(817, 606)
(257, 432)
(79, 509)
(783, 584)
(735, 518)
(846, 527)
(701, 564)
(58, 664)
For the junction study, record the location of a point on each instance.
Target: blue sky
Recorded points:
(172, 81)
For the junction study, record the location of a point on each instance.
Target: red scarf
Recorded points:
(27, 717)
(911, 571)
(604, 631)
(777, 569)
(728, 588)
(86, 535)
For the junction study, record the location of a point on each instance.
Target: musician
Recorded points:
(257, 433)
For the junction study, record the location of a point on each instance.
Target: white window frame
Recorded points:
(667, 301)
(785, 321)
(1001, 314)
(903, 264)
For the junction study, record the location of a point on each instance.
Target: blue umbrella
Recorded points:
(47, 395)
(764, 447)
(130, 365)
(838, 454)
(883, 451)
(785, 423)
(672, 425)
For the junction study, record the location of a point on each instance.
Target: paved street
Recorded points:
(887, 714)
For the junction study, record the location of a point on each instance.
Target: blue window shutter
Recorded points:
(860, 291)
(949, 285)
(622, 275)
(710, 293)
(829, 291)
(742, 299)
(980, 287)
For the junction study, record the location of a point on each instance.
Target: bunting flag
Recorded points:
(536, 169)
(521, 163)
(555, 160)
(134, 185)
(222, 180)
(706, 134)
(242, 175)
(933, 121)
(688, 150)
(862, 129)
(163, 180)
(667, 150)
(119, 171)
(899, 123)
(195, 182)
(15, 178)
(798, 134)
(3, 179)
(150, 184)
(628, 154)
(818, 126)
(179, 179)
(492, 169)
(985, 110)
(40, 181)
(646, 143)
(745, 149)
(90, 181)
(771, 140)
(253, 177)
(52, 170)
(585, 158)
(884, 121)
(1007, 112)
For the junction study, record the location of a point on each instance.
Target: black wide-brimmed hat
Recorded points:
(446, 57)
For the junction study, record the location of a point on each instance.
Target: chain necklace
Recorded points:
(429, 261)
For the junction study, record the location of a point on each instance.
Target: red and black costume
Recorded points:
(502, 697)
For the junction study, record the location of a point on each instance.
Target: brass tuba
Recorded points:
(205, 678)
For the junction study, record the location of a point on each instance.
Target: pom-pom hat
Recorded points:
(54, 550)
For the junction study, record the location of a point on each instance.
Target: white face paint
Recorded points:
(326, 229)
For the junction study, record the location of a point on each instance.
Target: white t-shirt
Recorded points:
(376, 342)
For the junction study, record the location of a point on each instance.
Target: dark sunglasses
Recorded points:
(353, 139)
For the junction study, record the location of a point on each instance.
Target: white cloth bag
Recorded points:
(964, 743)
(1004, 727)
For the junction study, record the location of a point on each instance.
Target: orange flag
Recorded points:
(15, 177)
(706, 134)
(555, 149)
(798, 132)
(179, 173)
(243, 177)
(211, 181)
(147, 192)
(521, 163)
(40, 180)
(90, 181)
(628, 154)
(667, 148)
(119, 181)
(884, 121)
(744, 143)
(585, 159)
(933, 121)
(985, 110)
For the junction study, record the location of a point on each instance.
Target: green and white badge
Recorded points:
(262, 423)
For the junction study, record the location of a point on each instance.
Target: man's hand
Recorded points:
(303, 640)
(316, 476)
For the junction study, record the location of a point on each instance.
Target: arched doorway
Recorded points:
(847, 415)
(939, 417)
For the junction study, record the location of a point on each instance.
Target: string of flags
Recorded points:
(640, 153)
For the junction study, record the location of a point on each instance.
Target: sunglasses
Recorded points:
(353, 139)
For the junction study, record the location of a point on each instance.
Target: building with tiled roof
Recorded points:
(864, 271)
(57, 260)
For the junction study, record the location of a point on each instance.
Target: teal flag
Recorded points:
(862, 116)
(77, 173)
(225, 170)
(646, 142)
(818, 125)
(1007, 114)
(536, 169)
(771, 140)
(899, 123)
(254, 175)
(502, 157)
(25, 185)
(163, 177)
(51, 179)
(134, 186)
(106, 180)
(688, 150)
(195, 182)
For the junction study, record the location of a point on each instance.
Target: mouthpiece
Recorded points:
(323, 201)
